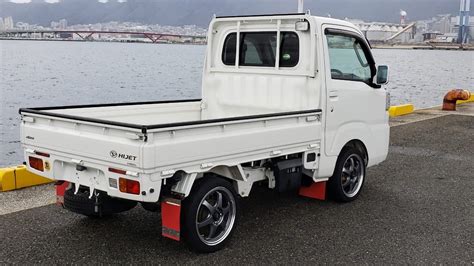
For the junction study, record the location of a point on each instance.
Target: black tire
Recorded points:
(345, 185)
(223, 218)
(81, 204)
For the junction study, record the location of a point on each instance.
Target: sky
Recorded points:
(198, 12)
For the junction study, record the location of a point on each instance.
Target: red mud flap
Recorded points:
(315, 191)
(171, 217)
(61, 187)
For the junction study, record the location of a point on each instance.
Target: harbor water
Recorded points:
(53, 73)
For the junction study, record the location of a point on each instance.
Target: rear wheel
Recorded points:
(349, 175)
(209, 215)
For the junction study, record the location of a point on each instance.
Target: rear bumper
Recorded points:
(95, 176)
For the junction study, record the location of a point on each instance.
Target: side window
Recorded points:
(347, 59)
(289, 49)
(230, 49)
(259, 49)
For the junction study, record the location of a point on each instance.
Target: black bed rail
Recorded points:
(262, 15)
(144, 128)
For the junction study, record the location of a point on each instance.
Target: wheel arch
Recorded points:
(187, 182)
(233, 173)
(360, 146)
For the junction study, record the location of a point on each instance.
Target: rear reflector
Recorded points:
(117, 171)
(36, 163)
(42, 154)
(61, 187)
(129, 186)
(123, 172)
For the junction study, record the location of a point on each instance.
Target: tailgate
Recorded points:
(81, 140)
(88, 154)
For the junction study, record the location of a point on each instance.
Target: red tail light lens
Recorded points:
(44, 154)
(36, 163)
(117, 171)
(129, 186)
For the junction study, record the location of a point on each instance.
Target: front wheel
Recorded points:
(349, 174)
(210, 214)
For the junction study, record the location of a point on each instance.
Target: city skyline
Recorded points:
(442, 27)
(199, 12)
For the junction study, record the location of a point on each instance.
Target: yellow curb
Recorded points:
(17, 177)
(399, 110)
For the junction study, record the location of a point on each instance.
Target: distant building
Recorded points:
(428, 36)
(2, 25)
(62, 24)
(445, 27)
(22, 25)
(381, 31)
(455, 26)
(8, 23)
(441, 23)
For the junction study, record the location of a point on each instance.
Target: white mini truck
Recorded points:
(292, 101)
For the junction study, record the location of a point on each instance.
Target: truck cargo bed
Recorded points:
(144, 115)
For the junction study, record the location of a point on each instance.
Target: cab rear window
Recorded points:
(259, 49)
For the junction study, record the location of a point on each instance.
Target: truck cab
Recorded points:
(292, 101)
(318, 63)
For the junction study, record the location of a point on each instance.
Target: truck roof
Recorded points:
(317, 19)
(285, 15)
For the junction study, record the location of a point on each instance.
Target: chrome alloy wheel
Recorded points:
(216, 216)
(353, 173)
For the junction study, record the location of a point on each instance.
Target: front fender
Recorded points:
(348, 132)
(374, 137)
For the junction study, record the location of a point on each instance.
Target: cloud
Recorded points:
(29, 1)
(106, 1)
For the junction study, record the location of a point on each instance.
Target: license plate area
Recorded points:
(80, 175)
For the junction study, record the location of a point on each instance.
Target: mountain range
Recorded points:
(199, 12)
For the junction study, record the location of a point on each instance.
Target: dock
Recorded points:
(416, 208)
(425, 46)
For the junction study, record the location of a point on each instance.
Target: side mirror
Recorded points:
(382, 75)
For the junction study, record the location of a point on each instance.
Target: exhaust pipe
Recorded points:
(449, 101)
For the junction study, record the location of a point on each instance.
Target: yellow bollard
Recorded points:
(7, 179)
(17, 177)
(399, 110)
(470, 100)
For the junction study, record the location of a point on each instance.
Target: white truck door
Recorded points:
(355, 105)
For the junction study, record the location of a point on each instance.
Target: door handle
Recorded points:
(333, 94)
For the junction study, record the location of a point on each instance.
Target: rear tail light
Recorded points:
(36, 163)
(129, 186)
(117, 171)
(42, 154)
(122, 172)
